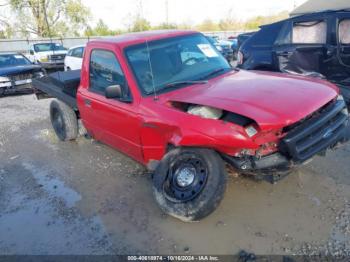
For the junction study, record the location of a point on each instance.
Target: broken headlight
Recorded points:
(205, 112)
(251, 131)
(340, 98)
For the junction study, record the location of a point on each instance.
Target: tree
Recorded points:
(165, 26)
(46, 18)
(101, 29)
(140, 24)
(208, 25)
(255, 22)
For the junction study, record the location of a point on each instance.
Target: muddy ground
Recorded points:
(85, 198)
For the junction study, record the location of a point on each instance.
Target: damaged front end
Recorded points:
(325, 129)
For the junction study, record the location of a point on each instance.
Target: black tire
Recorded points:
(205, 199)
(64, 121)
(2, 91)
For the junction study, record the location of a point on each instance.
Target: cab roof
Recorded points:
(142, 37)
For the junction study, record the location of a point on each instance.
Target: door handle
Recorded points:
(87, 102)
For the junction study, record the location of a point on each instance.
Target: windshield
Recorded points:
(13, 60)
(180, 59)
(48, 47)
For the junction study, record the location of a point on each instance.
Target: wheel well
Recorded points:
(169, 147)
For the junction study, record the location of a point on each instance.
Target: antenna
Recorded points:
(150, 66)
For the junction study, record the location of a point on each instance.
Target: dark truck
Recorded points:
(172, 102)
(315, 44)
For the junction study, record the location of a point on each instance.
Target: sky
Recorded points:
(119, 13)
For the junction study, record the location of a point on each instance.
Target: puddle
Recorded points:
(36, 228)
(53, 186)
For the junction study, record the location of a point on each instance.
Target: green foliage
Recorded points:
(101, 29)
(255, 22)
(165, 26)
(62, 18)
(208, 25)
(140, 24)
(46, 18)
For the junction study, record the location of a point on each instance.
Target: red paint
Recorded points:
(144, 128)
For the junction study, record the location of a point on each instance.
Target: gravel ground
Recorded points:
(85, 198)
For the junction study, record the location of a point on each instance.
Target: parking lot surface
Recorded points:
(85, 198)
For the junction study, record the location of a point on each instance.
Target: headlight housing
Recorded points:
(44, 58)
(205, 112)
(5, 81)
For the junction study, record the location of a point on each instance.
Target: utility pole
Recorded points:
(167, 11)
(140, 14)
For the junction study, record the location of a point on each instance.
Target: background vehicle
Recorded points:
(243, 37)
(49, 55)
(74, 58)
(316, 44)
(16, 73)
(170, 100)
(234, 46)
(224, 47)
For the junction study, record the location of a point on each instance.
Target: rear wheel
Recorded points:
(64, 121)
(2, 91)
(189, 183)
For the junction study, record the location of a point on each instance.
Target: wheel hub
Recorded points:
(185, 176)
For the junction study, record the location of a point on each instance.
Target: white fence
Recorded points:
(22, 45)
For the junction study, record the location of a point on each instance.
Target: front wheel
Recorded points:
(190, 183)
(64, 121)
(2, 91)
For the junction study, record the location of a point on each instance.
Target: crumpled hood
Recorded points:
(273, 100)
(16, 70)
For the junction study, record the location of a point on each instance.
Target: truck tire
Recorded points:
(189, 183)
(64, 121)
(2, 91)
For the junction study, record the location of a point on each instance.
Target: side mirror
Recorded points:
(114, 91)
(31, 52)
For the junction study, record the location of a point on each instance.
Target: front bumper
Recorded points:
(17, 85)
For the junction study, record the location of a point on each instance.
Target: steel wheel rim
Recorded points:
(186, 178)
(57, 122)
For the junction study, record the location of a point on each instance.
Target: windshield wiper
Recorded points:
(215, 72)
(188, 82)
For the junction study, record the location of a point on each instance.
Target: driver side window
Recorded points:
(105, 71)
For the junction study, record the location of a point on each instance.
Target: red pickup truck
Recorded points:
(169, 100)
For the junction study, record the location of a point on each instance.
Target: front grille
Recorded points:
(57, 57)
(314, 135)
(21, 77)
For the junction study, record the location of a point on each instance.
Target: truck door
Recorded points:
(112, 121)
(301, 47)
